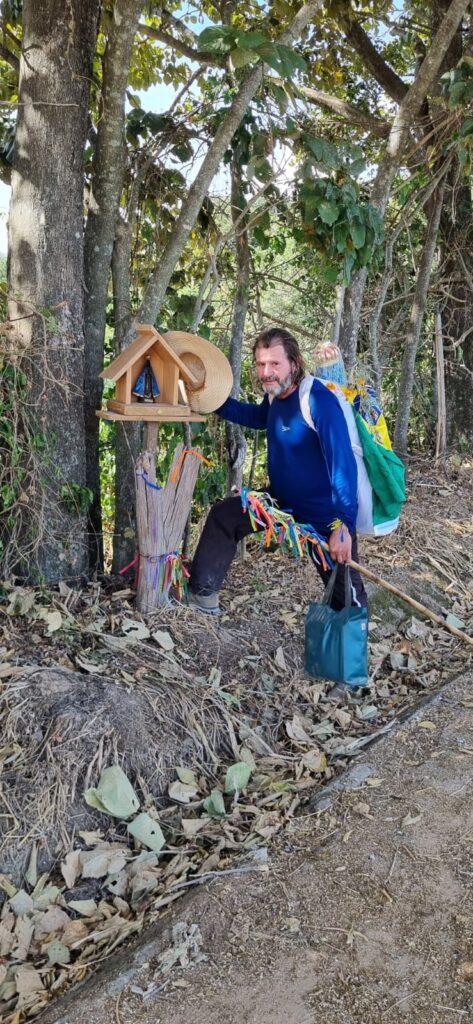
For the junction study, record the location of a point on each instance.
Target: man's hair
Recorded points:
(279, 336)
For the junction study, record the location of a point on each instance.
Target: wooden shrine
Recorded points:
(172, 375)
(164, 381)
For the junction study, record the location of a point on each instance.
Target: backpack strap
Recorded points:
(305, 388)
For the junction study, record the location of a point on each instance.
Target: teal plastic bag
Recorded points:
(336, 643)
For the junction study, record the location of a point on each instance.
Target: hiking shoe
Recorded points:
(205, 603)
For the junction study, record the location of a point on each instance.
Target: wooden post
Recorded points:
(161, 515)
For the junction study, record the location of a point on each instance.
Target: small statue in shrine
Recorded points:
(146, 388)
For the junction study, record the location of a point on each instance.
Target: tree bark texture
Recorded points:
(406, 383)
(106, 187)
(46, 269)
(161, 519)
(159, 280)
(235, 438)
(128, 435)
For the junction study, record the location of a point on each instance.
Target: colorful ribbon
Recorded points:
(281, 528)
(180, 462)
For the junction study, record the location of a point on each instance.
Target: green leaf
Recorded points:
(133, 100)
(357, 167)
(58, 953)
(114, 794)
(218, 39)
(237, 777)
(147, 831)
(214, 804)
(281, 58)
(323, 151)
(328, 212)
(240, 58)
(251, 40)
(358, 234)
(331, 274)
(187, 776)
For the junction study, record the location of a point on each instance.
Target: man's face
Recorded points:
(274, 369)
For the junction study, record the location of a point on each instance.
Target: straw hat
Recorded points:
(208, 364)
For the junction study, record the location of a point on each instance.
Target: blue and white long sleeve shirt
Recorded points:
(312, 473)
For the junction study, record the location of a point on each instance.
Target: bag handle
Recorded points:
(331, 584)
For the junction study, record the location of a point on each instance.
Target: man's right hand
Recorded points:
(339, 544)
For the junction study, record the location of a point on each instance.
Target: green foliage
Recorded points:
(244, 47)
(345, 230)
(457, 84)
(76, 499)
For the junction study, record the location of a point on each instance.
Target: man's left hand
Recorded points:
(339, 544)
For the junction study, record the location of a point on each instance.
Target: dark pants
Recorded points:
(225, 526)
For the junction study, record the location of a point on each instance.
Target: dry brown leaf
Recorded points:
(343, 718)
(71, 867)
(73, 931)
(23, 933)
(7, 940)
(102, 861)
(28, 983)
(53, 920)
(465, 970)
(296, 732)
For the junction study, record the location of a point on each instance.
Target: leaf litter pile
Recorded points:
(139, 757)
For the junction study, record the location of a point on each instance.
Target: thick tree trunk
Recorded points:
(415, 324)
(46, 274)
(235, 438)
(106, 187)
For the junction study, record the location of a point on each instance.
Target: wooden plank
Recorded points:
(148, 340)
(146, 410)
(170, 388)
(107, 414)
(150, 437)
(146, 337)
(161, 516)
(185, 372)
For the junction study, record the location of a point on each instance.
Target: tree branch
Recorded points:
(9, 58)
(392, 156)
(159, 280)
(386, 77)
(347, 111)
(178, 44)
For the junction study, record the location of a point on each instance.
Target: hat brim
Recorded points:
(208, 364)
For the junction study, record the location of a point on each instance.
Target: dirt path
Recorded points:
(363, 912)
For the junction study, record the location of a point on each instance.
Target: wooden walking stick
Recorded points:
(410, 600)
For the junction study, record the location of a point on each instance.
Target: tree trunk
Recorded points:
(128, 435)
(46, 274)
(235, 438)
(415, 324)
(106, 187)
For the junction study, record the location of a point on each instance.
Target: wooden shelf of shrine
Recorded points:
(151, 414)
